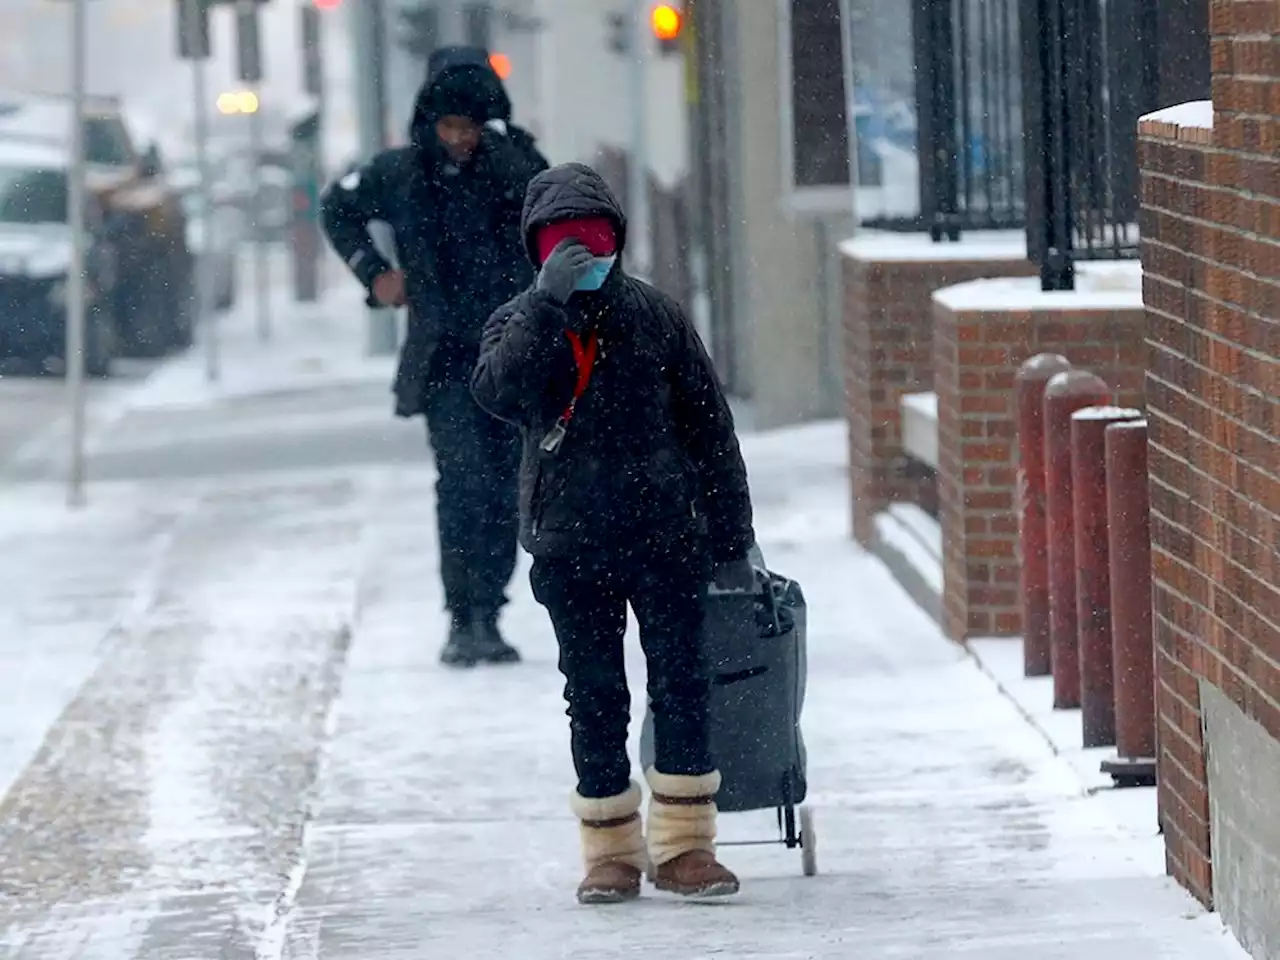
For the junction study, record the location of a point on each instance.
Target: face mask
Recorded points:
(595, 277)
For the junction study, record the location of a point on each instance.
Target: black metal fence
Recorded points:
(969, 128)
(1090, 69)
(1026, 115)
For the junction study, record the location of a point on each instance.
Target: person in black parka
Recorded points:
(632, 491)
(453, 198)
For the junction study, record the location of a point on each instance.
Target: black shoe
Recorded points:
(489, 645)
(461, 649)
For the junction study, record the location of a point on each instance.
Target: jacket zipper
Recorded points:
(537, 498)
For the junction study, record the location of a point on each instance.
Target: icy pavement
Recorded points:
(946, 826)
(225, 735)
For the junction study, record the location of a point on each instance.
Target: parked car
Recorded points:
(153, 290)
(35, 261)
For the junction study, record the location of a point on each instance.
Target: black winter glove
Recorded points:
(567, 264)
(737, 576)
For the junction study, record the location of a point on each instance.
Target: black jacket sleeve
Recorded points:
(347, 207)
(522, 350)
(704, 423)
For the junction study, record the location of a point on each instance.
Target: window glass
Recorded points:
(32, 195)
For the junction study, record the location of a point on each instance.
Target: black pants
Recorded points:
(587, 602)
(477, 511)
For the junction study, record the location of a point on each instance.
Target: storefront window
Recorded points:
(884, 108)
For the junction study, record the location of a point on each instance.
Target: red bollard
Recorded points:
(1093, 569)
(1030, 383)
(1064, 395)
(1132, 644)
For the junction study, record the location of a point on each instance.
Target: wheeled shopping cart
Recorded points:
(755, 645)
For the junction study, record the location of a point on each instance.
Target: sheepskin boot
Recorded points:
(682, 834)
(613, 851)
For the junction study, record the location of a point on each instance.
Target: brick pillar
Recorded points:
(1210, 245)
(979, 345)
(888, 322)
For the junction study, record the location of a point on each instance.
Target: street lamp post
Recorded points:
(369, 26)
(205, 318)
(250, 68)
(76, 285)
(639, 243)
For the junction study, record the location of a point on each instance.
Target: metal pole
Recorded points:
(638, 239)
(261, 270)
(368, 47)
(76, 285)
(206, 319)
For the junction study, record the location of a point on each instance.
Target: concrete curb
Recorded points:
(903, 566)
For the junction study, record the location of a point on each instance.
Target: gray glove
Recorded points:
(568, 263)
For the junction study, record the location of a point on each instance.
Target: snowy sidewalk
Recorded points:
(185, 708)
(310, 346)
(231, 739)
(946, 826)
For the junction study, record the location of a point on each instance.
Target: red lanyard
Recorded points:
(585, 359)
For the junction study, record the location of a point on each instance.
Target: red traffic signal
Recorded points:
(501, 65)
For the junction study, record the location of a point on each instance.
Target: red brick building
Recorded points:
(1211, 254)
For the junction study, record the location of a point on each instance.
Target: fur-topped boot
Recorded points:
(682, 834)
(613, 850)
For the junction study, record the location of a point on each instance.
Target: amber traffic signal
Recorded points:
(666, 21)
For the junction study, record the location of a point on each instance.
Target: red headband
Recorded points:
(597, 234)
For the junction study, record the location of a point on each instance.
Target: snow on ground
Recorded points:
(946, 826)
(233, 739)
(311, 346)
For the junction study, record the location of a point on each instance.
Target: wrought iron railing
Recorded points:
(1091, 70)
(969, 127)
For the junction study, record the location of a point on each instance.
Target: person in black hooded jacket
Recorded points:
(632, 491)
(452, 198)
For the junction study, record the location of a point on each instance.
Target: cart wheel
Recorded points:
(808, 843)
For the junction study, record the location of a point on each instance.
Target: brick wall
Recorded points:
(1211, 252)
(888, 328)
(979, 346)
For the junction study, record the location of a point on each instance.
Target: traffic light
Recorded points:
(618, 31)
(193, 29)
(420, 34)
(667, 21)
(501, 65)
(248, 44)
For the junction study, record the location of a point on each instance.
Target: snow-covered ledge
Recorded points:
(1100, 285)
(920, 427)
(889, 246)
(1191, 122)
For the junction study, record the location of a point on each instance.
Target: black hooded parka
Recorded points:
(650, 453)
(456, 227)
